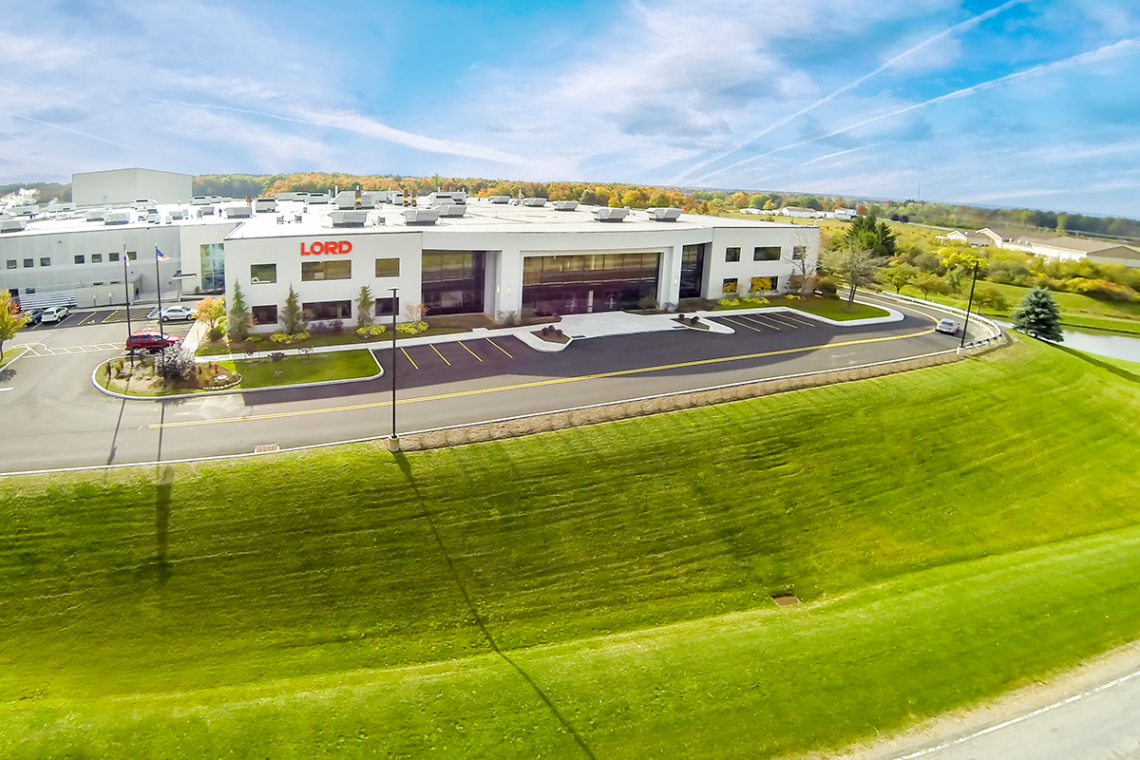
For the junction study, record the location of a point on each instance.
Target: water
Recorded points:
(1101, 344)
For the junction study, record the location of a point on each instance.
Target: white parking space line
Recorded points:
(5, 389)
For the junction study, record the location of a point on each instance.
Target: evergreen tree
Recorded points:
(239, 320)
(868, 233)
(293, 316)
(364, 304)
(1037, 316)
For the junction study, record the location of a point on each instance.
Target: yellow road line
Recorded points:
(496, 345)
(741, 324)
(116, 311)
(413, 361)
(89, 316)
(470, 351)
(441, 356)
(538, 383)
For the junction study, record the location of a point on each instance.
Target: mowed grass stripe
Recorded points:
(319, 565)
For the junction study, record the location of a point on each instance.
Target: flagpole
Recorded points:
(127, 296)
(158, 282)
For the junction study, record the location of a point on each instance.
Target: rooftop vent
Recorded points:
(96, 216)
(664, 214)
(176, 213)
(565, 205)
(348, 218)
(118, 217)
(12, 225)
(238, 212)
(315, 198)
(345, 199)
(205, 211)
(25, 210)
(501, 199)
(534, 202)
(607, 214)
(452, 210)
(421, 215)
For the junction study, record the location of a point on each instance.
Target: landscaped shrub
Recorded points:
(755, 301)
(412, 328)
(216, 334)
(1102, 289)
(279, 337)
(792, 297)
(277, 356)
(731, 303)
(761, 284)
(174, 365)
(255, 338)
(371, 331)
(647, 303)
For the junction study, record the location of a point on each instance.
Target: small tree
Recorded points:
(855, 265)
(364, 304)
(898, 275)
(239, 320)
(211, 310)
(1038, 316)
(989, 297)
(292, 315)
(11, 320)
(930, 283)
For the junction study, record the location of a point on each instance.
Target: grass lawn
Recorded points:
(9, 355)
(347, 338)
(832, 308)
(317, 604)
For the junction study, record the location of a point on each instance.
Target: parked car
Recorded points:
(948, 326)
(33, 317)
(55, 314)
(151, 340)
(172, 313)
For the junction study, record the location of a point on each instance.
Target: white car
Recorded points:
(947, 326)
(172, 313)
(55, 314)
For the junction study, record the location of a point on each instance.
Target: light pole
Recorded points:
(127, 297)
(962, 344)
(394, 441)
(158, 284)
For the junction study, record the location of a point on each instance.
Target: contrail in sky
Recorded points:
(1108, 51)
(852, 85)
(67, 129)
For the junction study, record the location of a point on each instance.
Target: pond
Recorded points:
(1099, 343)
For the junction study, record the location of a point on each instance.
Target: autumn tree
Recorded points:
(11, 319)
(898, 275)
(855, 265)
(210, 311)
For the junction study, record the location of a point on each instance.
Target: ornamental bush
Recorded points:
(279, 337)
(729, 302)
(412, 328)
(755, 300)
(371, 331)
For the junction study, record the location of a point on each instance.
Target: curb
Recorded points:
(231, 389)
(18, 357)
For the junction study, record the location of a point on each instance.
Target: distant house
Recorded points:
(1117, 254)
(975, 239)
(1056, 247)
(798, 212)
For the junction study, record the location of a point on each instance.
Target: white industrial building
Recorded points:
(123, 186)
(481, 256)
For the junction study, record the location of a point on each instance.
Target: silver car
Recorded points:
(948, 326)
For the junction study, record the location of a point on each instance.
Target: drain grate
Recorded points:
(785, 600)
(267, 448)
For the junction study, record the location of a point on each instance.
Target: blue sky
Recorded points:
(1022, 103)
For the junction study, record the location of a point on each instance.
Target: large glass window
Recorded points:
(453, 281)
(588, 282)
(264, 315)
(213, 261)
(261, 274)
(766, 253)
(326, 270)
(328, 309)
(387, 267)
(692, 270)
(387, 306)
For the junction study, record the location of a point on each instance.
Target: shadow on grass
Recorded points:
(163, 490)
(1096, 362)
(406, 468)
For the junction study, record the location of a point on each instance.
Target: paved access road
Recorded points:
(60, 420)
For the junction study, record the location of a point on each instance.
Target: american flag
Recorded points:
(160, 255)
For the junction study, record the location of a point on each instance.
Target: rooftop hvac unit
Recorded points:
(534, 202)
(205, 211)
(664, 214)
(345, 200)
(348, 218)
(176, 213)
(25, 210)
(238, 212)
(118, 217)
(565, 205)
(316, 198)
(452, 210)
(447, 199)
(421, 215)
(501, 199)
(95, 216)
(607, 214)
(12, 225)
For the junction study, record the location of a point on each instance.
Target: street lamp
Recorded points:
(962, 344)
(127, 298)
(394, 441)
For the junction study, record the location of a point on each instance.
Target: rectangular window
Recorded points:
(263, 274)
(11, 263)
(732, 254)
(328, 309)
(387, 267)
(96, 258)
(45, 262)
(387, 306)
(132, 256)
(326, 270)
(766, 253)
(730, 285)
(799, 252)
(113, 256)
(79, 259)
(264, 315)
(29, 263)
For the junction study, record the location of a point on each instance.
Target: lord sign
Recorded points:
(326, 247)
